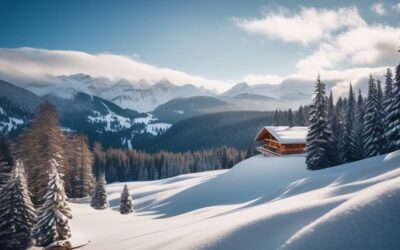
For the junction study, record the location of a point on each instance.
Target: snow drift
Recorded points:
(261, 203)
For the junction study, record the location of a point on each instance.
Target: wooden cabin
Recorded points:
(282, 140)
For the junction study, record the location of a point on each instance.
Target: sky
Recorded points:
(214, 44)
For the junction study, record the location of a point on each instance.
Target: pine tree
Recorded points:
(319, 133)
(392, 121)
(276, 118)
(125, 206)
(301, 120)
(17, 214)
(359, 126)
(6, 161)
(373, 122)
(40, 144)
(249, 152)
(99, 197)
(348, 148)
(333, 153)
(99, 160)
(290, 118)
(52, 227)
(79, 179)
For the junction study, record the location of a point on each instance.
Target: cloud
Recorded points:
(305, 27)
(260, 78)
(379, 9)
(24, 65)
(361, 46)
(396, 7)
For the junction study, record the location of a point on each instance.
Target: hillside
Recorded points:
(261, 203)
(183, 108)
(236, 129)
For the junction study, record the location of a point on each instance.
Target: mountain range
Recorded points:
(144, 97)
(121, 113)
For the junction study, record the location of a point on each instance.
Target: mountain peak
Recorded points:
(164, 82)
(240, 88)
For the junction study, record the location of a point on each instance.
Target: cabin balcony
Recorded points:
(270, 152)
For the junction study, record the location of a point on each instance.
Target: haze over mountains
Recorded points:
(144, 97)
(122, 113)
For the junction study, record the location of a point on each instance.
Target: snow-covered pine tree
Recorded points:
(6, 160)
(336, 130)
(42, 143)
(359, 126)
(125, 206)
(17, 214)
(381, 97)
(373, 122)
(348, 148)
(52, 227)
(393, 115)
(99, 197)
(381, 100)
(319, 132)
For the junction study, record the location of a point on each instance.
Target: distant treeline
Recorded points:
(132, 165)
(234, 129)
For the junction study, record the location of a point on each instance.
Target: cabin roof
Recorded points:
(284, 134)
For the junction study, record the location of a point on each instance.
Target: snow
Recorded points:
(287, 135)
(155, 128)
(111, 119)
(12, 124)
(152, 126)
(181, 112)
(261, 203)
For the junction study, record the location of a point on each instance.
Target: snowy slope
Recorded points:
(262, 203)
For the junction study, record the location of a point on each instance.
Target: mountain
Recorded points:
(292, 93)
(21, 97)
(17, 106)
(139, 95)
(261, 203)
(240, 88)
(144, 97)
(104, 121)
(100, 119)
(182, 108)
(236, 129)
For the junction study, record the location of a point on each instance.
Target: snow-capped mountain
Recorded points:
(17, 106)
(140, 95)
(145, 97)
(288, 90)
(240, 88)
(100, 119)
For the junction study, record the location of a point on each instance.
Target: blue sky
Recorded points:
(201, 38)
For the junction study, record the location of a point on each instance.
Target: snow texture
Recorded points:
(287, 135)
(261, 203)
(114, 122)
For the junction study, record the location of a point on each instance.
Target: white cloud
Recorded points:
(307, 26)
(25, 65)
(396, 7)
(379, 9)
(260, 78)
(361, 46)
(349, 49)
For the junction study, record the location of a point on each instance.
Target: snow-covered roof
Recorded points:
(285, 134)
